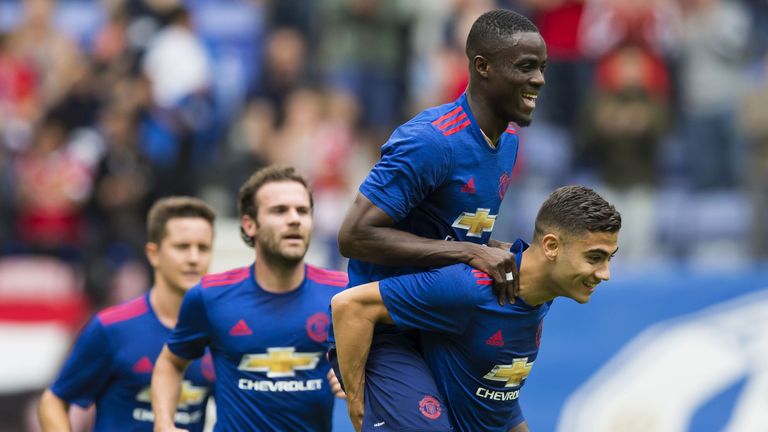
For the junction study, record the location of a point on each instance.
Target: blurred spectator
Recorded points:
(53, 55)
(452, 70)
(429, 47)
(178, 121)
(19, 99)
(567, 68)
(285, 69)
(652, 24)
(623, 125)
(123, 184)
(362, 53)
(715, 42)
(754, 121)
(627, 116)
(176, 61)
(52, 186)
(335, 155)
(245, 153)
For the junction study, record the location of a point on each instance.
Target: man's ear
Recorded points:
(551, 243)
(249, 225)
(152, 250)
(481, 65)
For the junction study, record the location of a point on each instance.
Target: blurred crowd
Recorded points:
(106, 106)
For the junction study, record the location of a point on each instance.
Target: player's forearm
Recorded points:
(522, 427)
(393, 247)
(53, 413)
(353, 324)
(166, 384)
(499, 244)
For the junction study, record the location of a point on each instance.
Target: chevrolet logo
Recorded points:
(476, 223)
(512, 374)
(189, 395)
(279, 362)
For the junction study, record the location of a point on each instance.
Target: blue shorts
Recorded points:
(400, 393)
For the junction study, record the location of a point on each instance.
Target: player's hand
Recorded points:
(356, 409)
(169, 429)
(335, 385)
(501, 265)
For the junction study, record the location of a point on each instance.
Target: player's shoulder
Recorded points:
(332, 278)
(225, 279)
(123, 312)
(438, 124)
(444, 120)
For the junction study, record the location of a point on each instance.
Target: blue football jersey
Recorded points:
(111, 365)
(268, 349)
(438, 178)
(480, 353)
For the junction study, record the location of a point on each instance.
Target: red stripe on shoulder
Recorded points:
(450, 114)
(124, 311)
(445, 125)
(327, 282)
(484, 282)
(226, 278)
(327, 277)
(452, 131)
(331, 274)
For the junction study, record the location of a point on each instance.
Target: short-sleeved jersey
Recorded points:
(438, 178)
(268, 349)
(111, 365)
(480, 353)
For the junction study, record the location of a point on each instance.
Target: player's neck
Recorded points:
(533, 278)
(490, 125)
(166, 302)
(278, 277)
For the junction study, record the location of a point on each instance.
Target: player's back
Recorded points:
(481, 371)
(478, 351)
(438, 178)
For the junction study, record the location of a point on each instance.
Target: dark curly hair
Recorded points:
(493, 29)
(575, 210)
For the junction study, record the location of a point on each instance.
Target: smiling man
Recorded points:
(266, 324)
(442, 176)
(480, 353)
(111, 362)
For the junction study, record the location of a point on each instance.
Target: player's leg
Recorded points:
(400, 392)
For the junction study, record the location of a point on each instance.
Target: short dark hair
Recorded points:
(273, 173)
(575, 210)
(493, 28)
(173, 207)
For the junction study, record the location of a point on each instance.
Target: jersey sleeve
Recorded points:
(191, 335)
(87, 370)
(411, 166)
(441, 300)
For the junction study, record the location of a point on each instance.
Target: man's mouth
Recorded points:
(529, 98)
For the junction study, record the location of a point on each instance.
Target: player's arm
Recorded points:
(167, 376)
(367, 234)
(355, 313)
(53, 413)
(522, 427)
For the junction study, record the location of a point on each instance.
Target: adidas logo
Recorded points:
(142, 366)
(470, 186)
(496, 340)
(240, 329)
